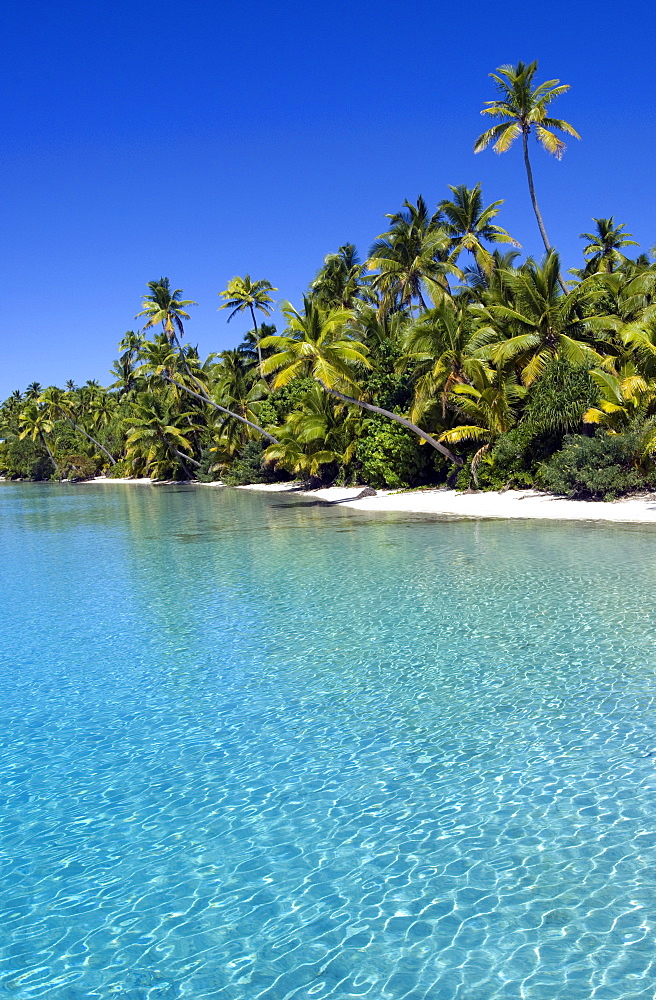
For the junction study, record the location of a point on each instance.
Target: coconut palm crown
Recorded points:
(468, 223)
(603, 251)
(164, 306)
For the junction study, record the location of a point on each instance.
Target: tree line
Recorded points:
(440, 358)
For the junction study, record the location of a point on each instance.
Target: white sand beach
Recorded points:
(141, 481)
(510, 504)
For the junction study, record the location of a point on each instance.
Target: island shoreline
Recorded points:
(440, 502)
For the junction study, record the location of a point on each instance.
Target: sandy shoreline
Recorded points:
(511, 504)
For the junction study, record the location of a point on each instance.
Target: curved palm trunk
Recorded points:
(223, 409)
(399, 420)
(50, 454)
(182, 458)
(92, 439)
(534, 201)
(186, 458)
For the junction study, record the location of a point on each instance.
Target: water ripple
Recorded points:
(291, 761)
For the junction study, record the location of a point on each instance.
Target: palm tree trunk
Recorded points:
(223, 409)
(50, 454)
(257, 341)
(186, 458)
(399, 420)
(534, 201)
(92, 439)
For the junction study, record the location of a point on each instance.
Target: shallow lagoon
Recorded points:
(255, 747)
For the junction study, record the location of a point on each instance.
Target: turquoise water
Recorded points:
(254, 748)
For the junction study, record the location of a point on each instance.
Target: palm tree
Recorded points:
(411, 256)
(438, 345)
(522, 108)
(59, 403)
(316, 435)
(604, 248)
(238, 392)
(36, 423)
(163, 306)
(156, 441)
(536, 323)
(321, 345)
(622, 399)
(241, 294)
(160, 361)
(489, 407)
(468, 223)
(249, 347)
(33, 390)
(123, 371)
(341, 281)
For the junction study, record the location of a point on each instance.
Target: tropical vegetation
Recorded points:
(438, 357)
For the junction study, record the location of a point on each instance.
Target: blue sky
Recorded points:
(203, 140)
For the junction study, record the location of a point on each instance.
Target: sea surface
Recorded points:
(253, 747)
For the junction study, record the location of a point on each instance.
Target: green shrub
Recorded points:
(77, 467)
(391, 456)
(122, 469)
(248, 467)
(274, 410)
(558, 400)
(594, 468)
(516, 456)
(25, 459)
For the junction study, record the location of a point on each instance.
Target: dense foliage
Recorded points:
(440, 358)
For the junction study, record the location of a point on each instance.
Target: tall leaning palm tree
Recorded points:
(242, 294)
(523, 109)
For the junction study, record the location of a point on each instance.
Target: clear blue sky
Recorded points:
(203, 140)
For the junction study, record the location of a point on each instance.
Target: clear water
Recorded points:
(258, 749)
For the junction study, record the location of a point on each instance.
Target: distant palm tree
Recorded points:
(33, 390)
(237, 390)
(604, 249)
(242, 294)
(163, 306)
(341, 281)
(249, 347)
(158, 440)
(161, 361)
(411, 257)
(488, 405)
(35, 424)
(437, 345)
(468, 223)
(131, 344)
(522, 108)
(59, 404)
